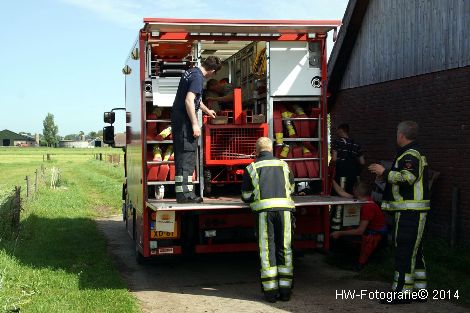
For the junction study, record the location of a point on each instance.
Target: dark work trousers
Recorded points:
(275, 238)
(410, 270)
(184, 147)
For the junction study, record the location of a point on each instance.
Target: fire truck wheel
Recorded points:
(124, 202)
(139, 258)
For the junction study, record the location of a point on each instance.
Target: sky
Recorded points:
(65, 56)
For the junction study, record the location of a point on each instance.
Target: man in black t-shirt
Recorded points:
(348, 157)
(185, 127)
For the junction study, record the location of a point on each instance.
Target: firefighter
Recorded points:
(406, 193)
(185, 127)
(267, 186)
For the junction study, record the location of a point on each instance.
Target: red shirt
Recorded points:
(371, 212)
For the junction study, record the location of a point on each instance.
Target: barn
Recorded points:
(9, 138)
(397, 60)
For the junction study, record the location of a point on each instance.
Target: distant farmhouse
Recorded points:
(73, 144)
(11, 139)
(97, 142)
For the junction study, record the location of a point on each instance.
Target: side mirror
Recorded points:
(108, 134)
(109, 117)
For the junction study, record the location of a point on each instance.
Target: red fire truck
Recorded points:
(278, 71)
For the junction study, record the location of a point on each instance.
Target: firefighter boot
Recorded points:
(187, 196)
(284, 295)
(270, 296)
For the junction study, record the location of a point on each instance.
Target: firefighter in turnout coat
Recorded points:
(267, 186)
(406, 194)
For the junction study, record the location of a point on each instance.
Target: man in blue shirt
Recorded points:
(185, 127)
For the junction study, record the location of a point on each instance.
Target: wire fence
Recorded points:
(110, 158)
(11, 200)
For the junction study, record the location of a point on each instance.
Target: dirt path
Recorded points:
(229, 283)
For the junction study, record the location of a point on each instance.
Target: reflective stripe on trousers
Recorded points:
(274, 231)
(410, 269)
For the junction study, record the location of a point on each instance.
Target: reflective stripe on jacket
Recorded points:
(268, 184)
(407, 182)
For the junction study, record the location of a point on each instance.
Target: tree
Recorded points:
(81, 135)
(50, 130)
(92, 135)
(71, 137)
(26, 134)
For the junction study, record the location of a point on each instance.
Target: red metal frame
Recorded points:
(241, 137)
(324, 120)
(232, 175)
(249, 247)
(144, 232)
(227, 247)
(225, 220)
(146, 225)
(189, 38)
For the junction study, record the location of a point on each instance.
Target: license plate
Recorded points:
(158, 234)
(164, 234)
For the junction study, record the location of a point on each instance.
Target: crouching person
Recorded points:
(267, 186)
(372, 227)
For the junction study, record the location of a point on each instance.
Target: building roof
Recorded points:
(8, 134)
(338, 61)
(381, 41)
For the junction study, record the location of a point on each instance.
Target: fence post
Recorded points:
(36, 182)
(16, 208)
(27, 187)
(43, 157)
(48, 157)
(43, 173)
(101, 156)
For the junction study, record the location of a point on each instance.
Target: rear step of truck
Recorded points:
(222, 203)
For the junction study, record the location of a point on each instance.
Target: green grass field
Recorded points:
(59, 262)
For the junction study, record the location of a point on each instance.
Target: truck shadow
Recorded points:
(230, 276)
(224, 282)
(73, 245)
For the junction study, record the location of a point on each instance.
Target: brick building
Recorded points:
(409, 60)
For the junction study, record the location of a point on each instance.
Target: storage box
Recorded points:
(219, 120)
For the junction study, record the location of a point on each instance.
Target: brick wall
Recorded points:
(440, 103)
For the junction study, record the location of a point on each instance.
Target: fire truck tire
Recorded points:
(126, 220)
(139, 258)
(133, 223)
(124, 202)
